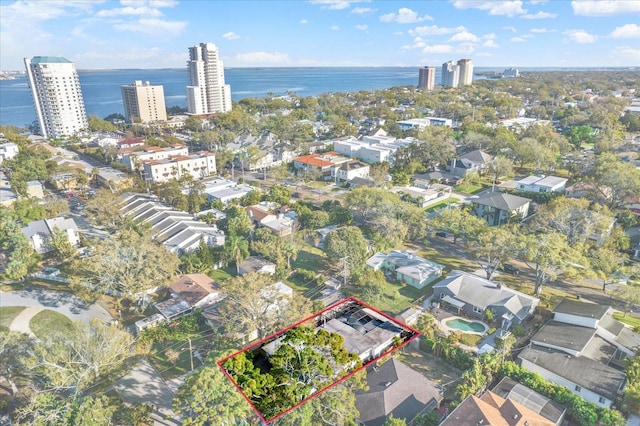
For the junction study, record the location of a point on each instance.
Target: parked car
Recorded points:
(442, 234)
(510, 269)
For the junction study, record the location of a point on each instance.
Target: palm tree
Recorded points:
(236, 248)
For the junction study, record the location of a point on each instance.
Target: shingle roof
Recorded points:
(510, 389)
(581, 309)
(568, 336)
(501, 201)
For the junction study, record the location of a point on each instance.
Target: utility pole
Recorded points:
(345, 263)
(190, 353)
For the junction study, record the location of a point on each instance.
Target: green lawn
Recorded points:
(310, 258)
(171, 358)
(628, 319)
(469, 188)
(7, 314)
(441, 204)
(396, 297)
(449, 261)
(45, 322)
(35, 283)
(222, 274)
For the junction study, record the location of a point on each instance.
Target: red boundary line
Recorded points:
(321, 391)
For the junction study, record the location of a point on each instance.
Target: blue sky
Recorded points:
(157, 33)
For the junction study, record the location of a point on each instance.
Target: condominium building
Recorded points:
(427, 78)
(133, 158)
(57, 97)
(143, 102)
(465, 77)
(450, 74)
(207, 93)
(198, 165)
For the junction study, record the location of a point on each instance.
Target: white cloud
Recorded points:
(435, 30)
(304, 21)
(541, 30)
(465, 49)
(490, 36)
(261, 58)
(437, 48)
(626, 31)
(465, 36)
(362, 27)
(580, 36)
(510, 28)
(518, 39)
(506, 7)
(334, 28)
(490, 43)
(405, 16)
(604, 7)
(362, 10)
(534, 2)
(539, 15)
(230, 36)
(334, 4)
(153, 26)
(150, 3)
(627, 54)
(129, 11)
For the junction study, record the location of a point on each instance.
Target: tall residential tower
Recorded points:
(207, 93)
(450, 74)
(57, 96)
(466, 72)
(427, 78)
(143, 102)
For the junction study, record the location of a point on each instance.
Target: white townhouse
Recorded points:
(197, 165)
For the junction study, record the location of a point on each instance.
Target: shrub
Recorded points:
(518, 330)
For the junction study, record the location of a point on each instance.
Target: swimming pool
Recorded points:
(466, 326)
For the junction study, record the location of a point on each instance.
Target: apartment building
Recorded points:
(143, 102)
(208, 92)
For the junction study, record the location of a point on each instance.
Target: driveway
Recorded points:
(65, 303)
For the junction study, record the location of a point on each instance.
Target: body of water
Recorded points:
(102, 96)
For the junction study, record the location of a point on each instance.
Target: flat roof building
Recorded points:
(143, 102)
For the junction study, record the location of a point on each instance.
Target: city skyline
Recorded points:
(154, 33)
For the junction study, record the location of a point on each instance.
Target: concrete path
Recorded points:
(23, 319)
(67, 304)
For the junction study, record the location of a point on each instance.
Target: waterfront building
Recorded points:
(143, 102)
(57, 97)
(208, 92)
(465, 76)
(450, 74)
(511, 73)
(427, 78)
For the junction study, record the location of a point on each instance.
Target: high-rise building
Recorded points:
(450, 74)
(57, 96)
(207, 93)
(143, 102)
(427, 78)
(465, 78)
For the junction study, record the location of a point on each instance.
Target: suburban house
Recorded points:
(395, 389)
(422, 123)
(439, 176)
(226, 190)
(257, 264)
(473, 295)
(542, 184)
(7, 197)
(508, 388)
(422, 196)
(407, 267)
(40, 233)
(8, 150)
(189, 292)
(472, 162)
(584, 189)
(582, 348)
(268, 215)
(178, 231)
(498, 208)
(492, 409)
(321, 234)
(351, 170)
(34, 189)
(326, 164)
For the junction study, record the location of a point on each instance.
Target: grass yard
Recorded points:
(441, 204)
(47, 321)
(633, 322)
(432, 368)
(469, 339)
(449, 261)
(7, 314)
(171, 358)
(310, 258)
(469, 188)
(223, 274)
(396, 297)
(35, 283)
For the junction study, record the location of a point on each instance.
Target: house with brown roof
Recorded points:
(326, 163)
(189, 292)
(395, 389)
(273, 217)
(491, 409)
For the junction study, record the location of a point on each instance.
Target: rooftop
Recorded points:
(581, 309)
(501, 201)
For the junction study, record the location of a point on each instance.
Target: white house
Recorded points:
(542, 184)
(351, 170)
(8, 150)
(408, 267)
(40, 233)
(422, 123)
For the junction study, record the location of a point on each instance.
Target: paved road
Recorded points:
(64, 303)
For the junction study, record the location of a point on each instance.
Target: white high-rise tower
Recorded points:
(450, 74)
(466, 72)
(57, 96)
(207, 93)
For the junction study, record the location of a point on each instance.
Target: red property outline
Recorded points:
(321, 391)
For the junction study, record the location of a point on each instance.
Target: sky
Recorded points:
(98, 34)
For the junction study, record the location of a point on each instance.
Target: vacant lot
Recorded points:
(432, 368)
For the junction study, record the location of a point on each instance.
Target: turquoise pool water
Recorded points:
(464, 325)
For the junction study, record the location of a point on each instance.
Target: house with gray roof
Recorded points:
(474, 295)
(583, 348)
(498, 208)
(395, 389)
(407, 267)
(542, 184)
(475, 161)
(40, 233)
